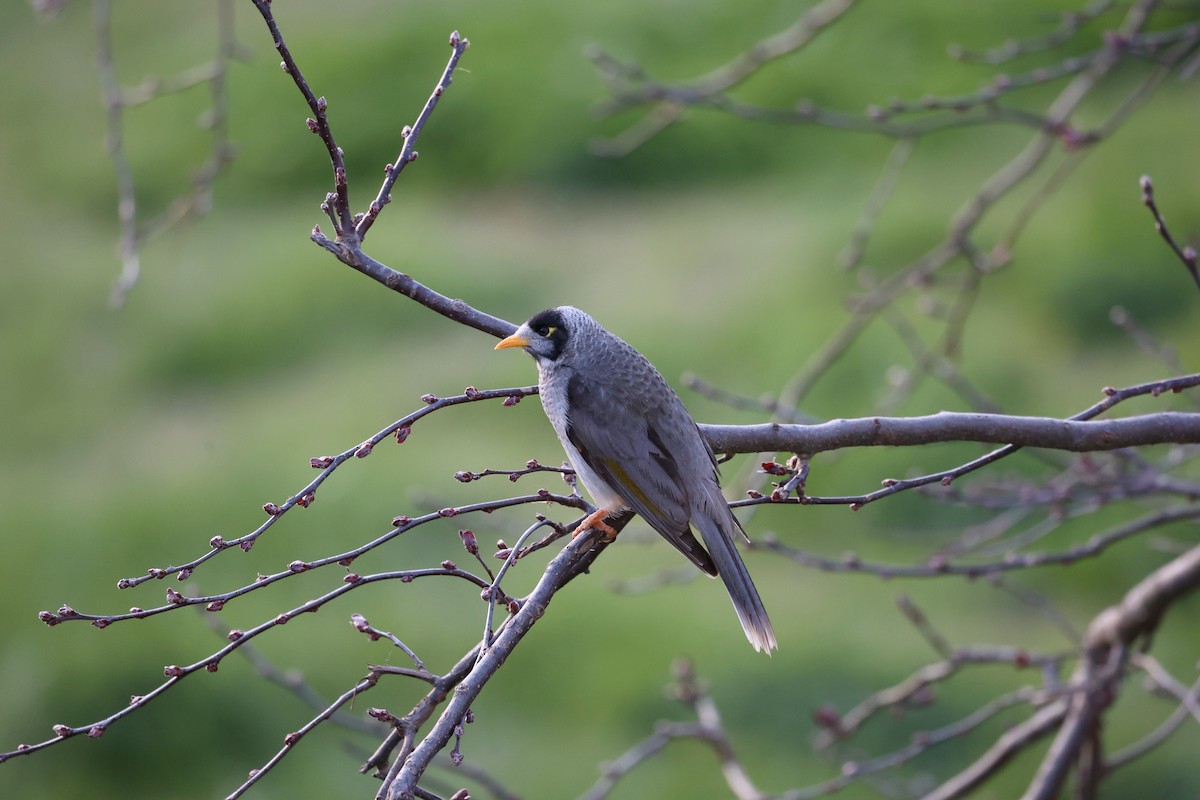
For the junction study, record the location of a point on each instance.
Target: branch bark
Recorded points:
(1167, 427)
(1098, 678)
(572, 561)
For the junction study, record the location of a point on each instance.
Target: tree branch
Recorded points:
(1186, 255)
(571, 562)
(1168, 427)
(351, 229)
(1109, 638)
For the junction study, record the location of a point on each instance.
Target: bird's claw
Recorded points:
(595, 521)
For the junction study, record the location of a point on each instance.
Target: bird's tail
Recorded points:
(718, 528)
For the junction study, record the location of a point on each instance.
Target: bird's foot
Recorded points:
(595, 521)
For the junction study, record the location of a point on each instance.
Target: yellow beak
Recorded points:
(513, 341)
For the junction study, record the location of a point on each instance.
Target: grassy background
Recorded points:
(131, 437)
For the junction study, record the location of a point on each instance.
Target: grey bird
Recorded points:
(635, 447)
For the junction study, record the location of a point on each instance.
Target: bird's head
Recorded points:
(547, 336)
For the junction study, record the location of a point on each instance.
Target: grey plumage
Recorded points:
(634, 446)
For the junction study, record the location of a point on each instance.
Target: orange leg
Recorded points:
(595, 521)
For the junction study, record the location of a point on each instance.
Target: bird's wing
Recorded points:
(633, 451)
(718, 528)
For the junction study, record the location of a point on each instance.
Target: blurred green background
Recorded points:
(131, 437)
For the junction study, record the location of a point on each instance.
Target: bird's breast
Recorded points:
(553, 387)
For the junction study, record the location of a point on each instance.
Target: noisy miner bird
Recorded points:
(635, 447)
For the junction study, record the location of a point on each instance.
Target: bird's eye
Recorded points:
(544, 330)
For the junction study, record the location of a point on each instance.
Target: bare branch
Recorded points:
(401, 429)
(350, 229)
(408, 154)
(1007, 746)
(1189, 706)
(572, 561)
(1068, 27)
(707, 728)
(1071, 435)
(670, 101)
(1139, 612)
(1187, 255)
(134, 230)
(940, 564)
(366, 684)
(1074, 434)
(1107, 643)
(318, 123)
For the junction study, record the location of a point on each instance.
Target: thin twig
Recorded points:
(1187, 255)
